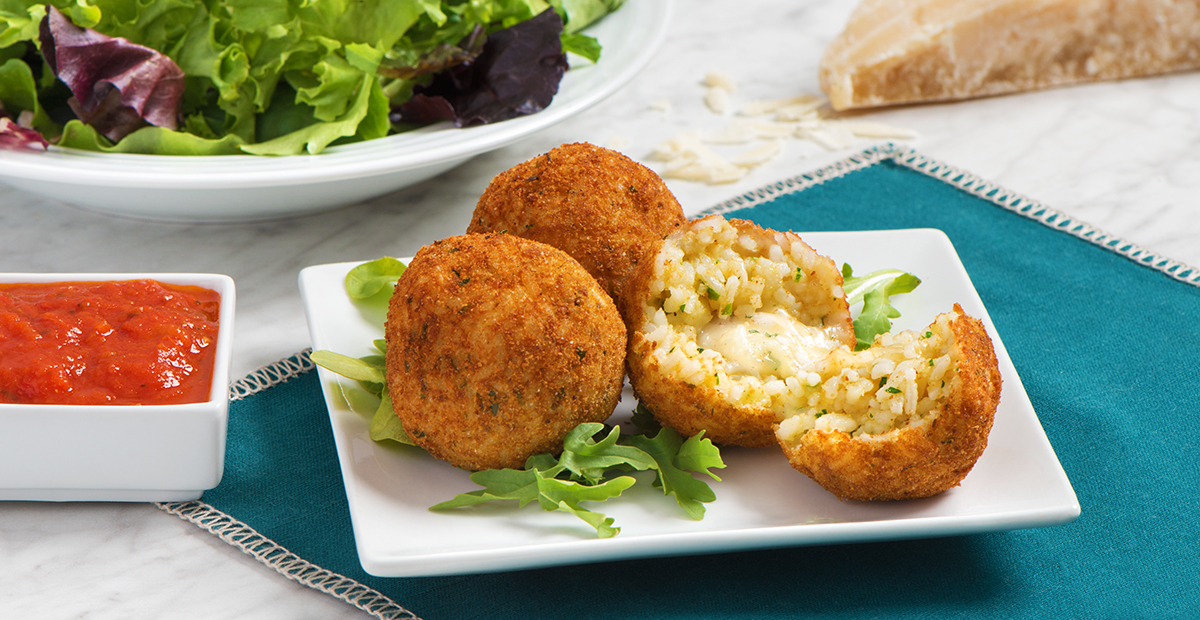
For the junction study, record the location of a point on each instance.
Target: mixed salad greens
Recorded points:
(275, 77)
(597, 460)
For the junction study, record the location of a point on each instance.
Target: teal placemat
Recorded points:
(1105, 336)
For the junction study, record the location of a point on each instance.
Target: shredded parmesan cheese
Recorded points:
(717, 99)
(770, 121)
(719, 79)
(759, 154)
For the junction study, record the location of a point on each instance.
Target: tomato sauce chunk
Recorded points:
(136, 342)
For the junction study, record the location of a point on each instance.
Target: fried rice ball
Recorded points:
(906, 418)
(729, 324)
(745, 334)
(601, 207)
(497, 347)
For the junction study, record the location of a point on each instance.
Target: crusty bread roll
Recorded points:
(907, 51)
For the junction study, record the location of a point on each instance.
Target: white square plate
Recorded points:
(761, 501)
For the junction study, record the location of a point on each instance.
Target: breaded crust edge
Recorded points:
(914, 462)
(691, 409)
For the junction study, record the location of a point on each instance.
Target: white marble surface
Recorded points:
(1124, 157)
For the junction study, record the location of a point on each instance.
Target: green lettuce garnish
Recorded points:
(369, 279)
(19, 87)
(371, 283)
(147, 141)
(581, 44)
(591, 467)
(873, 291)
(371, 373)
(591, 470)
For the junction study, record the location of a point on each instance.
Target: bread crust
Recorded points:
(909, 51)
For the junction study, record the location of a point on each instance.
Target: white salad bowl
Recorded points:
(120, 452)
(246, 188)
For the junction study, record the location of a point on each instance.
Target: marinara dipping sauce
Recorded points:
(135, 342)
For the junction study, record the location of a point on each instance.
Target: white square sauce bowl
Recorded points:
(118, 452)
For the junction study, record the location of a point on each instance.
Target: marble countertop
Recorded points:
(1123, 157)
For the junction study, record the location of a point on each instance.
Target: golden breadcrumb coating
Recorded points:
(497, 347)
(599, 206)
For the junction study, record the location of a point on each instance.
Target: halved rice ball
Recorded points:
(906, 418)
(729, 325)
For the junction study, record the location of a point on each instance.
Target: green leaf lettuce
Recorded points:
(267, 77)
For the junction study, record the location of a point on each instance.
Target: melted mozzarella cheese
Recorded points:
(768, 343)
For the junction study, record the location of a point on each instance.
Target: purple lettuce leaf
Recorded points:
(15, 137)
(517, 73)
(118, 86)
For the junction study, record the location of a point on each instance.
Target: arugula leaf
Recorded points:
(370, 278)
(673, 477)
(520, 485)
(371, 373)
(699, 455)
(386, 425)
(603, 524)
(644, 420)
(581, 474)
(590, 460)
(566, 495)
(552, 494)
(874, 291)
(363, 370)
